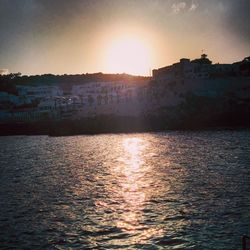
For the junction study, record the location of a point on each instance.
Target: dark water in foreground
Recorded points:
(174, 190)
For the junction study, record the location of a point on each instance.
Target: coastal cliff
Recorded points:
(187, 95)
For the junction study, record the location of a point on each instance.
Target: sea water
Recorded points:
(171, 190)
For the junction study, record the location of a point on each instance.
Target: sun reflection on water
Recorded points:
(134, 190)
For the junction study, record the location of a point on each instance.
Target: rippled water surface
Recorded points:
(173, 190)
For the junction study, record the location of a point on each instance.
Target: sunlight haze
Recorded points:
(70, 37)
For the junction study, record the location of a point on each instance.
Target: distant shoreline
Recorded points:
(114, 125)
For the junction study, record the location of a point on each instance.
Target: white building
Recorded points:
(6, 97)
(29, 93)
(201, 68)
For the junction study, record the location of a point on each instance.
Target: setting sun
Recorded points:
(128, 55)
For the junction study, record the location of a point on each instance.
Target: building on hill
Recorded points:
(36, 92)
(9, 98)
(201, 68)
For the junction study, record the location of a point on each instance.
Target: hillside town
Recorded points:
(168, 87)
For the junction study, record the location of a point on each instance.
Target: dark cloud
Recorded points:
(238, 17)
(233, 16)
(22, 17)
(19, 17)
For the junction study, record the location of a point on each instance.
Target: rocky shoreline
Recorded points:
(114, 124)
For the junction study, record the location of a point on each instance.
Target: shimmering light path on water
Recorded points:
(174, 190)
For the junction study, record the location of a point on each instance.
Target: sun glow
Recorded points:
(128, 55)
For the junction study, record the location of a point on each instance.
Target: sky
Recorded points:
(116, 36)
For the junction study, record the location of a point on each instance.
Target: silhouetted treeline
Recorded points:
(8, 82)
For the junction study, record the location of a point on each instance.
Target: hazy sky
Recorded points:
(79, 36)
